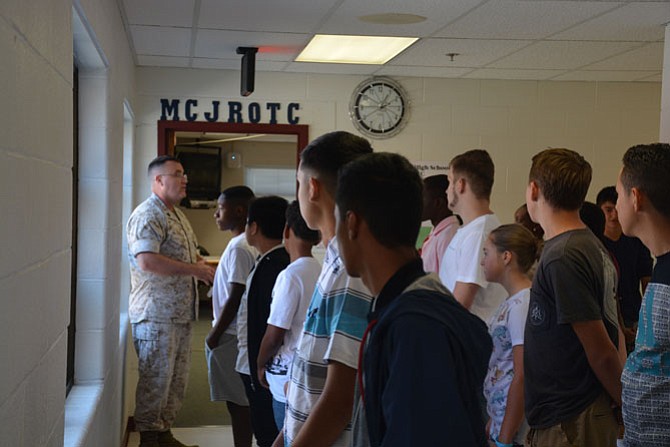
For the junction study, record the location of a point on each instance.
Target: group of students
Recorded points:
(369, 349)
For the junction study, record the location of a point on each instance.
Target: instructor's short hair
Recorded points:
(327, 154)
(563, 177)
(646, 167)
(477, 167)
(385, 190)
(160, 161)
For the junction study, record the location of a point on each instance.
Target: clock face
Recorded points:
(378, 107)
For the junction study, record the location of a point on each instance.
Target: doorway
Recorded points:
(261, 156)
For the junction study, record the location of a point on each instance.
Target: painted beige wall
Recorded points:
(511, 119)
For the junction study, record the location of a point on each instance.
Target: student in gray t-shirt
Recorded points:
(571, 363)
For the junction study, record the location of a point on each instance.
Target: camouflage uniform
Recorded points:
(161, 310)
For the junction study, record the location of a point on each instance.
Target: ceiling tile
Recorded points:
(159, 12)
(638, 21)
(221, 64)
(471, 52)
(273, 46)
(299, 16)
(517, 19)
(612, 76)
(647, 57)
(345, 19)
(430, 72)
(562, 55)
(502, 73)
(162, 61)
(161, 41)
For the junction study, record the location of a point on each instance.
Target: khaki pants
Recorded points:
(164, 357)
(594, 427)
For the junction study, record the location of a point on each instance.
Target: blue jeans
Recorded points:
(279, 410)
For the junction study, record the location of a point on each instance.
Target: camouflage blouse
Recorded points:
(153, 228)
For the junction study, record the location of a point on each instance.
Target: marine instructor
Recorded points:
(164, 269)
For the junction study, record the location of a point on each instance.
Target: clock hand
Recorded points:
(371, 99)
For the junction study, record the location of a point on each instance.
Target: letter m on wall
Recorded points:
(169, 108)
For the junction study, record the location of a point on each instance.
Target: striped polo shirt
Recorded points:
(336, 320)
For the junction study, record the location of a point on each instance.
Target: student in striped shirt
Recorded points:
(321, 389)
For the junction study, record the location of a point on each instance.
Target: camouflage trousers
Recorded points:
(164, 354)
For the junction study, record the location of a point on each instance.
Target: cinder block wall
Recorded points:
(36, 147)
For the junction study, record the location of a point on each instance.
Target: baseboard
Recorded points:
(130, 427)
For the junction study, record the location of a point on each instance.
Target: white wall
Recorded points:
(513, 120)
(36, 47)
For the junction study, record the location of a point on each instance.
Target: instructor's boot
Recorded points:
(149, 439)
(166, 439)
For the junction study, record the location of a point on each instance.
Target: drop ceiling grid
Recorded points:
(344, 19)
(523, 20)
(628, 23)
(178, 13)
(515, 39)
(263, 15)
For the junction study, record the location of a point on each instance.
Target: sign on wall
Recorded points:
(230, 112)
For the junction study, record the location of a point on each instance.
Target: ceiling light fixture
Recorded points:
(375, 50)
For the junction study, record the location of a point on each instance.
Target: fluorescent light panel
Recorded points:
(375, 50)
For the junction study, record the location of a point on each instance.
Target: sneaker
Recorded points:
(166, 439)
(149, 439)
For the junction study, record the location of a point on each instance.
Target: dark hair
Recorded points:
(296, 223)
(477, 167)
(160, 161)
(563, 177)
(519, 240)
(269, 213)
(646, 167)
(238, 195)
(527, 222)
(436, 186)
(593, 217)
(385, 190)
(607, 194)
(328, 153)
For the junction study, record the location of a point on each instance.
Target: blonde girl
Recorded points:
(509, 252)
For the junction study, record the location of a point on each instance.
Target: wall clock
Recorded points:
(379, 107)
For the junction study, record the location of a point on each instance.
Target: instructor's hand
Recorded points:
(203, 271)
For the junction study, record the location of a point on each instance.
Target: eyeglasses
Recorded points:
(178, 175)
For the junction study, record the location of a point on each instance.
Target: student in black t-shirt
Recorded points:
(572, 368)
(264, 231)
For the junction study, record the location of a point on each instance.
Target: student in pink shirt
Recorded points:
(445, 223)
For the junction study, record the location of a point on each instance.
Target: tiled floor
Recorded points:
(209, 436)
